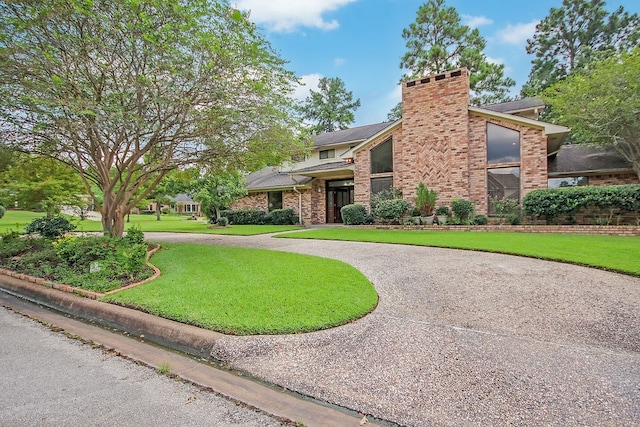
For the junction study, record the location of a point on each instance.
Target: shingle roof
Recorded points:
(515, 106)
(182, 197)
(574, 158)
(271, 177)
(356, 135)
(325, 166)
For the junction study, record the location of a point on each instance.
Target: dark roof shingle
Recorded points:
(356, 134)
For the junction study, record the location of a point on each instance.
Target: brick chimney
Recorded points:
(435, 135)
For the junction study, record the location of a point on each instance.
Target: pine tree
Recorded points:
(331, 108)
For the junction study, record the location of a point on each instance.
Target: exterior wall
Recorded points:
(314, 157)
(614, 179)
(318, 202)
(435, 136)
(251, 201)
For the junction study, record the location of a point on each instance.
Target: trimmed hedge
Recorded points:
(355, 214)
(245, 216)
(392, 209)
(555, 202)
(281, 217)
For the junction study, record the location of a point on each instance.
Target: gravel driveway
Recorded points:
(460, 338)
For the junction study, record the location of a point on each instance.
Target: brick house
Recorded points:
(462, 152)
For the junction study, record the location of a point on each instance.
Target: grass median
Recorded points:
(615, 253)
(251, 291)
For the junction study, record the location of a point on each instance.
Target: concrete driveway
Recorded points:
(460, 338)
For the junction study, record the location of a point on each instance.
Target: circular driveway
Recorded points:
(460, 337)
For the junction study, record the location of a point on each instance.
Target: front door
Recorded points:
(339, 194)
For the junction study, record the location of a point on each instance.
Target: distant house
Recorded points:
(460, 151)
(181, 204)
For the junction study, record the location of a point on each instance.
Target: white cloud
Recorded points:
(287, 15)
(475, 21)
(339, 61)
(308, 82)
(495, 60)
(517, 34)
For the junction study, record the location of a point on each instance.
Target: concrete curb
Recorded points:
(168, 333)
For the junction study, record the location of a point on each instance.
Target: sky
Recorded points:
(360, 41)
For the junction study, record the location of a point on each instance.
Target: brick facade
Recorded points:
(610, 179)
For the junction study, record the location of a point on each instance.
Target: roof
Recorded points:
(182, 197)
(325, 167)
(271, 178)
(519, 105)
(587, 158)
(355, 135)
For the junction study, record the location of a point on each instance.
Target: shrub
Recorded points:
(480, 220)
(2, 211)
(442, 210)
(135, 259)
(391, 194)
(513, 219)
(554, 202)
(463, 209)
(245, 216)
(281, 217)
(354, 214)
(134, 236)
(392, 209)
(50, 227)
(223, 221)
(425, 199)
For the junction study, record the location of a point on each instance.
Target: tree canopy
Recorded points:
(125, 91)
(573, 36)
(437, 42)
(330, 108)
(602, 104)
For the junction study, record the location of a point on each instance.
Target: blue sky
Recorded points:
(360, 41)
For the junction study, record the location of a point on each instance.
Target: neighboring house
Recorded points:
(462, 152)
(181, 204)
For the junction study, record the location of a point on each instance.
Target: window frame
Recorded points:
(270, 204)
(330, 154)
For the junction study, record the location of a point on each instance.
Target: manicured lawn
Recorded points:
(17, 220)
(614, 253)
(251, 291)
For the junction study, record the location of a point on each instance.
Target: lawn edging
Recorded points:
(609, 230)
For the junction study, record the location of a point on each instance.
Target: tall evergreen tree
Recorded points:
(331, 108)
(573, 36)
(437, 41)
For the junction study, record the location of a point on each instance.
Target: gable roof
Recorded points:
(587, 158)
(271, 178)
(355, 135)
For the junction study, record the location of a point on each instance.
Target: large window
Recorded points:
(503, 144)
(503, 184)
(275, 200)
(327, 154)
(571, 181)
(380, 184)
(382, 158)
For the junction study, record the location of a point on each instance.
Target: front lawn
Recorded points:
(17, 220)
(614, 253)
(251, 291)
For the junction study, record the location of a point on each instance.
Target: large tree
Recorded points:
(437, 42)
(602, 104)
(574, 35)
(125, 91)
(330, 108)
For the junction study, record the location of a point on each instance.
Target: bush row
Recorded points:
(258, 217)
(552, 203)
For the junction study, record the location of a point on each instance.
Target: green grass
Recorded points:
(251, 291)
(615, 253)
(17, 220)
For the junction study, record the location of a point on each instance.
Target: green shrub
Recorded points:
(480, 220)
(223, 221)
(463, 209)
(135, 259)
(555, 202)
(81, 252)
(513, 219)
(134, 236)
(392, 209)
(442, 210)
(354, 214)
(50, 227)
(425, 199)
(245, 216)
(281, 217)
(391, 194)
(2, 211)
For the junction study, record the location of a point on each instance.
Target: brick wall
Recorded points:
(289, 201)
(614, 179)
(435, 136)
(251, 201)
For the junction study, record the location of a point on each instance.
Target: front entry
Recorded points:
(339, 194)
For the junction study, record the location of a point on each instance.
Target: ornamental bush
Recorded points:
(555, 202)
(245, 216)
(392, 209)
(281, 217)
(355, 214)
(463, 209)
(50, 227)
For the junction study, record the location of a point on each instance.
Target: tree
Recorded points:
(217, 192)
(573, 36)
(395, 113)
(602, 104)
(331, 108)
(438, 42)
(125, 91)
(41, 183)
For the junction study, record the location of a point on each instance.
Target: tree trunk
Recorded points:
(112, 220)
(158, 210)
